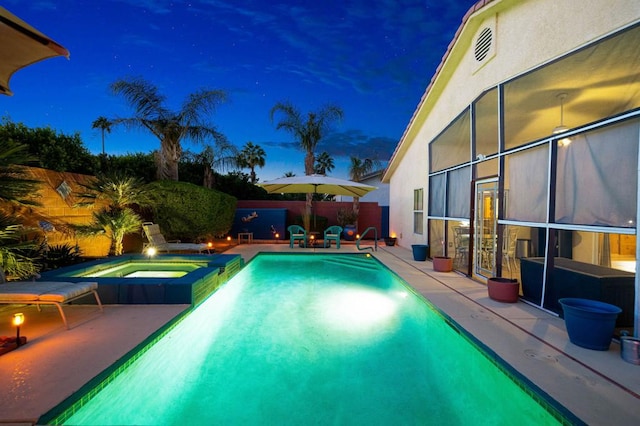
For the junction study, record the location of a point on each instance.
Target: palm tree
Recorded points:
(104, 125)
(324, 163)
(308, 131)
(116, 217)
(357, 170)
(16, 189)
(252, 156)
(14, 247)
(170, 127)
(222, 157)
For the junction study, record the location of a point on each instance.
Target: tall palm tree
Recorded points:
(219, 158)
(358, 169)
(104, 125)
(170, 127)
(308, 131)
(252, 156)
(116, 217)
(324, 163)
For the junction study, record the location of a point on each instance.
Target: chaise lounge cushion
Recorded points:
(46, 291)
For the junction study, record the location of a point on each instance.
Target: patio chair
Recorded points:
(156, 240)
(297, 233)
(509, 242)
(47, 293)
(461, 242)
(332, 233)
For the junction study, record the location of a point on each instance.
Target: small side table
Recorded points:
(245, 236)
(315, 241)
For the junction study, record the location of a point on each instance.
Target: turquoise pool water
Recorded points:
(313, 339)
(146, 270)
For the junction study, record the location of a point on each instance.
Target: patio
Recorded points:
(598, 387)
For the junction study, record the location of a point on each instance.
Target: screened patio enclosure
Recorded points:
(544, 167)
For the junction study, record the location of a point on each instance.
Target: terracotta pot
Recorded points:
(503, 289)
(443, 264)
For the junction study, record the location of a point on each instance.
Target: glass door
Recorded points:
(486, 228)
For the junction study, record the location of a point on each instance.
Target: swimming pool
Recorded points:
(312, 338)
(162, 279)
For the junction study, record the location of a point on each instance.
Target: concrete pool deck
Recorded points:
(598, 387)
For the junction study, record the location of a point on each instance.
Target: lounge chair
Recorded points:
(297, 233)
(156, 240)
(332, 233)
(47, 293)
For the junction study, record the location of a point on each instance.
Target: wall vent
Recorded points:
(483, 44)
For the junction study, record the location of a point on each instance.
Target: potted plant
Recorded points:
(390, 241)
(347, 219)
(503, 289)
(442, 263)
(420, 252)
(590, 323)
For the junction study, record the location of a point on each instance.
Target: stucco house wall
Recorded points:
(527, 34)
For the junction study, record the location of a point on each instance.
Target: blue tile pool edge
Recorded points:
(553, 407)
(69, 406)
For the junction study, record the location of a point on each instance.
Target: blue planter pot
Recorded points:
(420, 252)
(590, 323)
(349, 232)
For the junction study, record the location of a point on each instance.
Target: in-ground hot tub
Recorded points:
(162, 279)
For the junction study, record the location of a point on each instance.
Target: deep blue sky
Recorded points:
(373, 58)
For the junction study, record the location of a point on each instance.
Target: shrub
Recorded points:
(190, 212)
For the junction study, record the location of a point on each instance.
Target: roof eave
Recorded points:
(435, 87)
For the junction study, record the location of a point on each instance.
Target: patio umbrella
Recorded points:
(22, 45)
(317, 184)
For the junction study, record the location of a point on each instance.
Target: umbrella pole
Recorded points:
(315, 191)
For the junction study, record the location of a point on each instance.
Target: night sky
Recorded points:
(373, 58)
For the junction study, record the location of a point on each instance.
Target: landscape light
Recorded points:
(151, 251)
(18, 320)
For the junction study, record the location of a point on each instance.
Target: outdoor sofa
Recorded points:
(571, 278)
